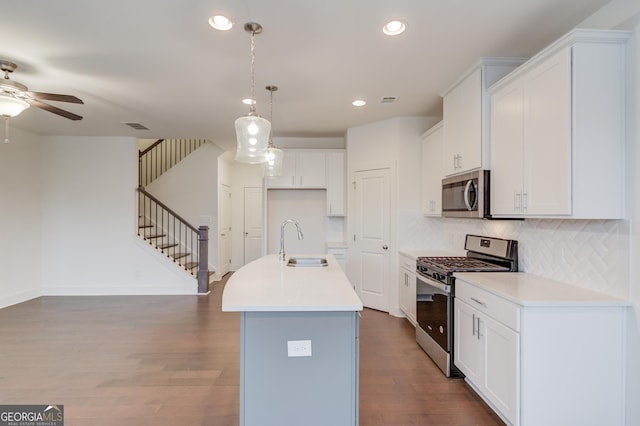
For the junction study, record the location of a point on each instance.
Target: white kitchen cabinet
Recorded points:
(407, 287)
(432, 175)
(486, 349)
(466, 116)
(339, 251)
(335, 173)
(301, 169)
(540, 352)
(557, 131)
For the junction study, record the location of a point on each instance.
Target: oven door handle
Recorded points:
(440, 286)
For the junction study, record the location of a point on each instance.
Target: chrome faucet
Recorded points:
(300, 236)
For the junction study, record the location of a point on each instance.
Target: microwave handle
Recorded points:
(467, 189)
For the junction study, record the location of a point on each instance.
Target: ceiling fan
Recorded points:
(17, 97)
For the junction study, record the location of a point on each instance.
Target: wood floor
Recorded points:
(174, 360)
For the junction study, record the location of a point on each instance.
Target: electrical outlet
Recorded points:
(298, 348)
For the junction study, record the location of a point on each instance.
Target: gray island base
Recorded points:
(298, 344)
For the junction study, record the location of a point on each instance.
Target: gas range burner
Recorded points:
(460, 264)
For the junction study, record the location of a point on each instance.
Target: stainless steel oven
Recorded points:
(433, 333)
(435, 292)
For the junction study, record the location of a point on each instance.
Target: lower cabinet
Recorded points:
(486, 353)
(543, 361)
(407, 287)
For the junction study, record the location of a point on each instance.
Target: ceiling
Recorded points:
(159, 63)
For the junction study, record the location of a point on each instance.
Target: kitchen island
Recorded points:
(298, 343)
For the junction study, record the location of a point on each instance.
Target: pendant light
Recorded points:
(252, 131)
(273, 163)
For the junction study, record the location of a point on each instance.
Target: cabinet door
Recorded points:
(547, 138)
(468, 348)
(501, 367)
(462, 111)
(287, 180)
(335, 184)
(507, 127)
(411, 298)
(432, 172)
(403, 289)
(311, 170)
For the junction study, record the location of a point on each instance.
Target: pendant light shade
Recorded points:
(252, 131)
(273, 165)
(273, 155)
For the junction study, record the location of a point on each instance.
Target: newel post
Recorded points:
(203, 259)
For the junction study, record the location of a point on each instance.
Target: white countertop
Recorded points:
(268, 285)
(531, 290)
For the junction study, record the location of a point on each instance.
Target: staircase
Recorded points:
(159, 225)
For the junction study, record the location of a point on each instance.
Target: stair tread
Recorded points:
(167, 245)
(180, 255)
(145, 226)
(190, 265)
(155, 235)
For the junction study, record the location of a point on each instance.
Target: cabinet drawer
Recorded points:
(407, 262)
(496, 307)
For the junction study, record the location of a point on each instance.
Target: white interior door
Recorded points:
(224, 233)
(252, 224)
(371, 238)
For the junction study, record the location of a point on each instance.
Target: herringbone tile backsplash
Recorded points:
(592, 254)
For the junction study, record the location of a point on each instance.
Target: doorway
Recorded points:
(370, 254)
(252, 223)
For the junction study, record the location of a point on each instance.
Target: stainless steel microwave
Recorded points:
(466, 195)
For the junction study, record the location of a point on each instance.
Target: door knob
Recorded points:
(384, 247)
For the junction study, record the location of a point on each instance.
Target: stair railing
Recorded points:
(162, 155)
(174, 236)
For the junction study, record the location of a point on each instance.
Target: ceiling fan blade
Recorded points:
(56, 97)
(55, 110)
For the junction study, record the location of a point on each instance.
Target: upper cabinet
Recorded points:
(335, 162)
(557, 131)
(432, 171)
(301, 169)
(466, 115)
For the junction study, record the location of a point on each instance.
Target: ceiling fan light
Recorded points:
(252, 134)
(11, 107)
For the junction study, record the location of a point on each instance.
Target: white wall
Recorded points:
(625, 14)
(633, 201)
(20, 218)
(393, 144)
(89, 241)
(190, 188)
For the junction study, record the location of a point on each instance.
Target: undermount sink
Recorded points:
(298, 262)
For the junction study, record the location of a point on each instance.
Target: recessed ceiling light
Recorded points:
(394, 27)
(220, 22)
(359, 102)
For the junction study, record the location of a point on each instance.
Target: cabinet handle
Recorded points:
(293, 181)
(478, 302)
(524, 201)
(478, 328)
(516, 201)
(473, 325)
